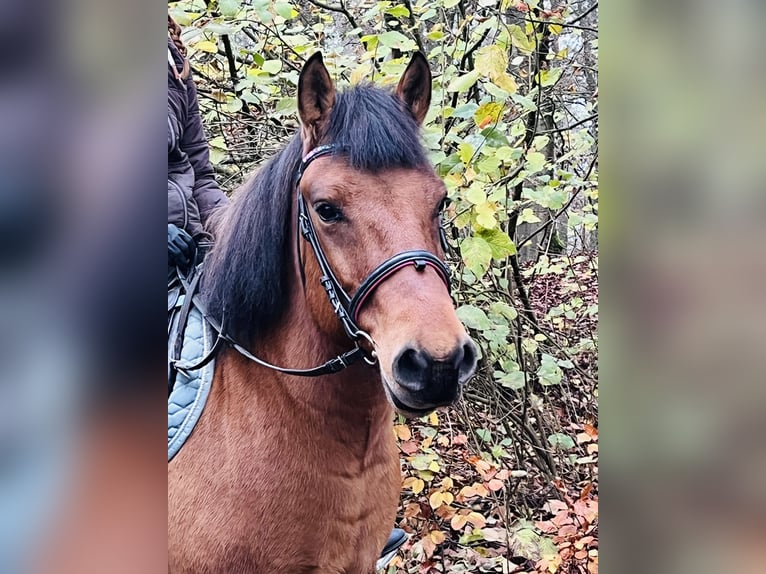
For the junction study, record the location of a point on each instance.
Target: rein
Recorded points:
(345, 306)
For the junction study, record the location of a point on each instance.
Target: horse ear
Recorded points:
(414, 88)
(316, 97)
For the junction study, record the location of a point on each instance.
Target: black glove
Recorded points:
(181, 248)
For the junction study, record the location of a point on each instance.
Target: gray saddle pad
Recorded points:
(191, 388)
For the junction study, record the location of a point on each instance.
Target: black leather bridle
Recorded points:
(345, 306)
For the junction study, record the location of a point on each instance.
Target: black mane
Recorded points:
(246, 274)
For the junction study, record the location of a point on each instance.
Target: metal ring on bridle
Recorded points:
(370, 358)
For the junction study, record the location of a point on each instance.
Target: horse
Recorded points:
(294, 469)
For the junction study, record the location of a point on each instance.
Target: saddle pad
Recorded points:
(191, 388)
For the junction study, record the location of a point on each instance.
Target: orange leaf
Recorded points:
(402, 432)
(480, 489)
(458, 521)
(428, 546)
(477, 520)
(494, 485)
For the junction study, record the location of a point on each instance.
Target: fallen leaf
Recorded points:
(402, 432)
(460, 439)
(477, 520)
(458, 521)
(437, 536)
(494, 485)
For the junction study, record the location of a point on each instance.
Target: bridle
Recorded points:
(345, 306)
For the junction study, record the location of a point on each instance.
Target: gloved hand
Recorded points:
(181, 248)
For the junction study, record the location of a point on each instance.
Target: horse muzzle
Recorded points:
(422, 383)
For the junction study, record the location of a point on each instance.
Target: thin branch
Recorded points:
(563, 25)
(584, 14)
(559, 212)
(341, 9)
(570, 126)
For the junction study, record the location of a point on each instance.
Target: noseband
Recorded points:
(347, 307)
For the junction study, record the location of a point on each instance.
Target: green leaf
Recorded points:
(272, 66)
(464, 82)
(520, 40)
(494, 137)
(398, 11)
(550, 77)
(489, 164)
(499, 243)
(466, 110)
(513, 380)
(465, 152)
(475, 194)
(561, 440)
(527, 215)
(503, 309)
(473, 317)
(477, 254)
(549, 372)
(394, 39)
(484, 435)
(451, 3)
(285, 106)
(535, 162)
(524, 540)
(229, 8)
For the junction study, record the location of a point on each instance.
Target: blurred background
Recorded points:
(681, 393)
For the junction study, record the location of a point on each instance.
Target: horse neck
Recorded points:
(348, 405)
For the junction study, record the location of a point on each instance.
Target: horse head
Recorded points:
(374, 206)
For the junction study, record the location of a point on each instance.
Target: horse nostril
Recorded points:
(467, 361)
(411, 369)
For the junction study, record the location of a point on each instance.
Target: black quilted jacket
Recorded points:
(193, 193)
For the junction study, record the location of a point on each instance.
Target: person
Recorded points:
(193, 193)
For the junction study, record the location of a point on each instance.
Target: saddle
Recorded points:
(192, 345)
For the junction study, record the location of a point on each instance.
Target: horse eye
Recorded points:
(328, 212)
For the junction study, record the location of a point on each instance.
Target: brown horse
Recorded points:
(289, 474)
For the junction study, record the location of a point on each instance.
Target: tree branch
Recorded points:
(341, 9)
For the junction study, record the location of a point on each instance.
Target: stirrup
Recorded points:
(395, 541)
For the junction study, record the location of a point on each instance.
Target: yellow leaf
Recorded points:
(433, 419)
(435, 500)
(485, 215)
(437, 536)
(447, 497)
(206, 46)
(476, 519)
(447, 483)
(402, 432)
(506, 82)
(360, 73)
(417, 486)
(427, 442)
(491, 60)
(434, 466)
